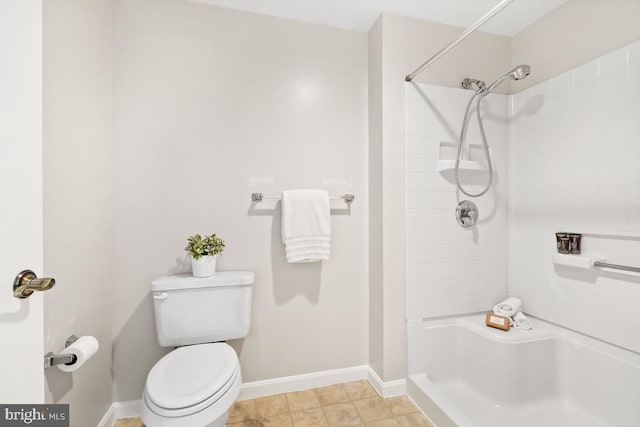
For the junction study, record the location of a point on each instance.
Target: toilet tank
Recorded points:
(195, 310)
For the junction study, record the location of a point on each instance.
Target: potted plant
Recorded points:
(204, 251)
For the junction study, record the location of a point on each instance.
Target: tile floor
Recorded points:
(349, 404)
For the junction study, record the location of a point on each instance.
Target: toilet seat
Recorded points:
(190, 379)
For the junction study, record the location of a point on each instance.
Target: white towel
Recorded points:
(306, 225)
(520, 321)
(509, 307)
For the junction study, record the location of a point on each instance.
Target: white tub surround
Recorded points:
(451, 270)
(574, 165)
(574, 148)
(549, 376)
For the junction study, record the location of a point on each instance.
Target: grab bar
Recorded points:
(616, 266)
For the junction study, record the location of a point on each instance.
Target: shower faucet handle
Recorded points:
(469, 217)
(466, 213)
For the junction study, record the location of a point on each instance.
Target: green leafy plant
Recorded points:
(198, 246)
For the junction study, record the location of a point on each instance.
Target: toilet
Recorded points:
(196, 384)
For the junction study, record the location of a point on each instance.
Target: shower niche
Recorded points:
(473, 161)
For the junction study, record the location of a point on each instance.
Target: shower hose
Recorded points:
(479, 94)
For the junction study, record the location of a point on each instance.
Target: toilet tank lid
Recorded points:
(187, 281)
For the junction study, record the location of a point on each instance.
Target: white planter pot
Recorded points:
(205, 266)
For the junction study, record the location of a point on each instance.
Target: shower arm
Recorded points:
(480, 22)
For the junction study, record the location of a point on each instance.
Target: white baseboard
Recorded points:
(257, 389)
(320, 379)
(386, 389)
(127, 409)
(109, 418)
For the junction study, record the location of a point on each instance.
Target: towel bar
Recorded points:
(258, 197)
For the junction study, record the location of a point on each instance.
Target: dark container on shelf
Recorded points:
(562, 246)
(575, 243)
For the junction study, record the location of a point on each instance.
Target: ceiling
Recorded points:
(359, 15)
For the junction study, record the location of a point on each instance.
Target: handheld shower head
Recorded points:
(518, 73)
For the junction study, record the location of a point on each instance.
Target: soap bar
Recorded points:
(495, 321)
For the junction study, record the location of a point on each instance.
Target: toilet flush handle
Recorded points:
(161, 296)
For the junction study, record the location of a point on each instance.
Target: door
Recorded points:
(21, 320)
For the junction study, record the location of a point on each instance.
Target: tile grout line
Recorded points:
(324, 414)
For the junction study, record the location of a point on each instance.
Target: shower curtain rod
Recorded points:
(464, 35)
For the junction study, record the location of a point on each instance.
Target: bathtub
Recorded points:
(463, 373)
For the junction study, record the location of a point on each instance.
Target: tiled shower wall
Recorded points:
(575, 166)
(450, 270)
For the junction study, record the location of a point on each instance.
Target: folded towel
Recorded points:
(509, 307)
(306, 225)
(520, 321)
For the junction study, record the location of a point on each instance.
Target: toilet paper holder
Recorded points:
(51, 359)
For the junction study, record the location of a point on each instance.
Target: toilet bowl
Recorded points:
(192, 386)
(196, 384)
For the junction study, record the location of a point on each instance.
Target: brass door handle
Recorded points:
(26, 282)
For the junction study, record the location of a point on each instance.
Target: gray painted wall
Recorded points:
(78, 202)
(212, 104)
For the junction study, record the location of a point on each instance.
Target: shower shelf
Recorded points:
(465, 165)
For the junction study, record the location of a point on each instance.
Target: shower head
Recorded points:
(518, 73)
